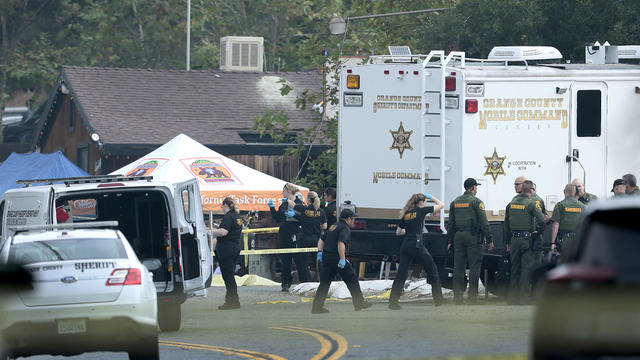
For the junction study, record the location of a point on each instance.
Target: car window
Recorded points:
(612, 241)
(66, 249)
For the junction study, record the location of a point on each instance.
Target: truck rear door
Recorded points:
(588, 135)
(187, 201)
(26, 207)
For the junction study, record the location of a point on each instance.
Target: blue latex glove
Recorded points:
(429, 196)
(342, 263)
(284, 200)
(270, 203)
(319, 257)
(290, 213)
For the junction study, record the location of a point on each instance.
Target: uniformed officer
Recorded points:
(333, 255)
(412, 250)
(517, 185)
(566, 218)
(330, 207)
(313, 221)
(522, 216)
(467, 224)
(619, 187)
(227, 250)
(288, 234)
(539, 233)
(583, 196)
(632, 184)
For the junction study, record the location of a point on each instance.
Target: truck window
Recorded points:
(187, 203)
(589, 111)
(82, 209)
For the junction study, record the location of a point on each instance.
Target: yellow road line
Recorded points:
(325, 345)
(326, 348)
(227, 350)
(339, 339)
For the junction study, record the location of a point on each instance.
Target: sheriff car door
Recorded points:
(190, 257)
(588, 134)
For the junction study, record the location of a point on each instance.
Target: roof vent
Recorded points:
(524, 53)
(241, 53)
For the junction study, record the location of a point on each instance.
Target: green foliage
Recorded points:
(36, 37)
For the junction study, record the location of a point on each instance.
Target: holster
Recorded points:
(534, 242)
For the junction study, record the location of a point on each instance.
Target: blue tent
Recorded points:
(36, 166)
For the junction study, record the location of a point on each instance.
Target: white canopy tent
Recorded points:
(183, 158)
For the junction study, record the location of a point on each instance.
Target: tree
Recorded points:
(28, 58)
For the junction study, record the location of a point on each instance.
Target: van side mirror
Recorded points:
(152, 264)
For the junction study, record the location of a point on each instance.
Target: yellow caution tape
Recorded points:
(307, 299)
(278, 251)
(276, 302)
(384, 295)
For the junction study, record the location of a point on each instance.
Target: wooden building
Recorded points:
(104, 118)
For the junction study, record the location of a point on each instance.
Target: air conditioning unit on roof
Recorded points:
(241, 53)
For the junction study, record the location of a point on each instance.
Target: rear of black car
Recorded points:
(590, 306)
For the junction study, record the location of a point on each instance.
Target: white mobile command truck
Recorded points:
(162, 221)
(416, 123)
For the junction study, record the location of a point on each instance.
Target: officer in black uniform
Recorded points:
(330, 207)
(334, 249)
(288, 234)
(412, 249)
(227, 249)
(313, 221)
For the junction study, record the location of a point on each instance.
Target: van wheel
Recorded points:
(169, 317)
(147, 349)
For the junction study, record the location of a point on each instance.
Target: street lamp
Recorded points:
(338, 25)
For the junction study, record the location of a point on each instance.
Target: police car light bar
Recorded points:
(81, 225)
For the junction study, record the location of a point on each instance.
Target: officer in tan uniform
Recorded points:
(566, 218)
(522, 218)
(467, 224)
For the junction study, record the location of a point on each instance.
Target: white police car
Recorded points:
(90, 293)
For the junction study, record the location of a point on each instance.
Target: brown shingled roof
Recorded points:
(139, 106)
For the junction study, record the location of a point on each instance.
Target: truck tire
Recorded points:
(147, 349)
(169, 316)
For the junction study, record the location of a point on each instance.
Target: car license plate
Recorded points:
(72, 326)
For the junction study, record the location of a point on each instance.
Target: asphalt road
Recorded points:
(276, 325)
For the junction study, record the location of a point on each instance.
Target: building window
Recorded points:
(82, 157)
(72, 116)
(589, 113)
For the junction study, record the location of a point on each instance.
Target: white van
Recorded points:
(161, 220)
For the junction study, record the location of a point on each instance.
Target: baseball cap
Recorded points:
(470, 182)
(347, 213)
(618, 182)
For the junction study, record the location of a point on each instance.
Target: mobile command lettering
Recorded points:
(163, 221)
(424, 123)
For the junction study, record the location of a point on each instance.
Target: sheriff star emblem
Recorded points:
(494, 165)
(401, 139)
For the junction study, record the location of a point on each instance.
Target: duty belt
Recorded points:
(566, 235)
(521, 234)
(465, 229)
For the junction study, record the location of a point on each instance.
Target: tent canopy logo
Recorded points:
(212, 172)
(145, 168)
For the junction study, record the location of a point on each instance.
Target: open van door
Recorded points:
(190, 223)
(588, 135)
(31, 206)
